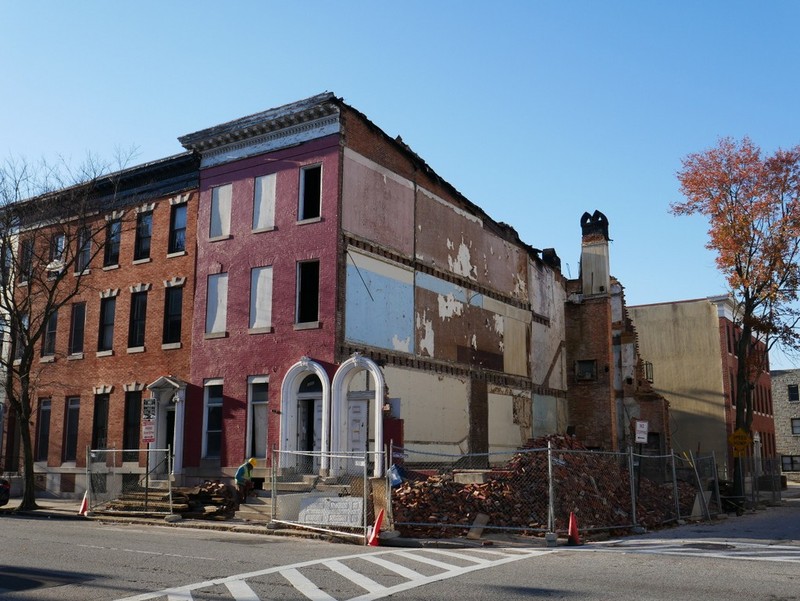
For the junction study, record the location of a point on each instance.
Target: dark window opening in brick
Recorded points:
(137, 320)
(100, 423)
(43, 430)
(113, 238)
(586, 369)
(26, 261)
(132, 420)
(144, 233)
(84, 254)
(308, 292)
(77, 328)
(49, 339)
(177, 229)
(794, 393)
(71, 428)
(310, 192)
(173, 306)
(105, 339)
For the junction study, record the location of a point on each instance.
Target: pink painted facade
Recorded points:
(241, 353)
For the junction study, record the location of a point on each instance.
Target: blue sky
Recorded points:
(537, 111)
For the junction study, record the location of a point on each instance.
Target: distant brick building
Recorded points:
(786, 407)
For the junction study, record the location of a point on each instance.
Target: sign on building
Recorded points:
(642, 428)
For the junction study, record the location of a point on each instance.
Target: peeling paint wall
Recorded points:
(547, 352)
(377, 204)
(453, 240)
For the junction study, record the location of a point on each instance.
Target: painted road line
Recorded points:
(368, 584)
(305, 586)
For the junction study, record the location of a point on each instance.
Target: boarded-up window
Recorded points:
(264, 202)
(221, 211)
(217, 303)
(261, 297)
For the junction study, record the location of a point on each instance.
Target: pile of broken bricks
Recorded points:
(514, 496)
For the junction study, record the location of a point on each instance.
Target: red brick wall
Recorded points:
(66, 377)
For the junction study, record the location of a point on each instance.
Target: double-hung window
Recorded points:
(43, 430)
(173, 314)
(84, 251)
(71, 415)
(136, 326)
(113, 239)
(177, 229)
(105, 337)
(49, 339)
(100, 423)
(212, 422)
(144, 233)
(77, 328)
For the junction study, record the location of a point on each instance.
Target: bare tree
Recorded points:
(52, 226)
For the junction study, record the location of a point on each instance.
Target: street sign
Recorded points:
(642, 428)
(149, 410)
(148, 430)
(740, 441)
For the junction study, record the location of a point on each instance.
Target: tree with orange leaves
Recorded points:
(752, 203)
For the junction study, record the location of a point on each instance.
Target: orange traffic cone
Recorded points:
(84, 504)
(572, 532)
(372, 541)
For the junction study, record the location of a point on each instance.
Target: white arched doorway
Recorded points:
(339, 408)
(305, 388)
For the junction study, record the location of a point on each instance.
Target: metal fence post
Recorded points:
(551, 509)
(365, 495)
(716, 481)
(273, 492)
(675, 484)
(632, 484)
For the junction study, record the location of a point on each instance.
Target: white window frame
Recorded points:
(217, 303)
(261, 298)
(220, 221)
(264, 203)
(250, 426)
(206, 385)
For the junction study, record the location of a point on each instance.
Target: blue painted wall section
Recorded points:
(379, 310)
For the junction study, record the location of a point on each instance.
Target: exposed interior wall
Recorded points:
(434, 408)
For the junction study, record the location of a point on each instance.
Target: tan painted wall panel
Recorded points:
(433, 407)
(515, 346)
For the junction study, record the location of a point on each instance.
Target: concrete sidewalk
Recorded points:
(255, 519)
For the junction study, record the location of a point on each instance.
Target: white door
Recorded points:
(357, 416)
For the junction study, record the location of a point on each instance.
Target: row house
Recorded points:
(300, 282)
(786, 407)
(124, 333)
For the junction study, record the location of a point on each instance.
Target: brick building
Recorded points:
(127, 328)
(335, 295)
(786, 408)
(609, 389)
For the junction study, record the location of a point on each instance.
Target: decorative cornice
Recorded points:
(174, 282)
(179, 199)
(148, 207)
(141, 287)
(109, 293)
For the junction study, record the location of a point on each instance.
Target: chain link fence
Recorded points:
(130, 480)
(534, 490)
(344, 503)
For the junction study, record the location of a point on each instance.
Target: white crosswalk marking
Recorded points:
(394, 567)
(357, 570)
(364, 582)
(241, 591)
(305, 586)
(426, 560)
